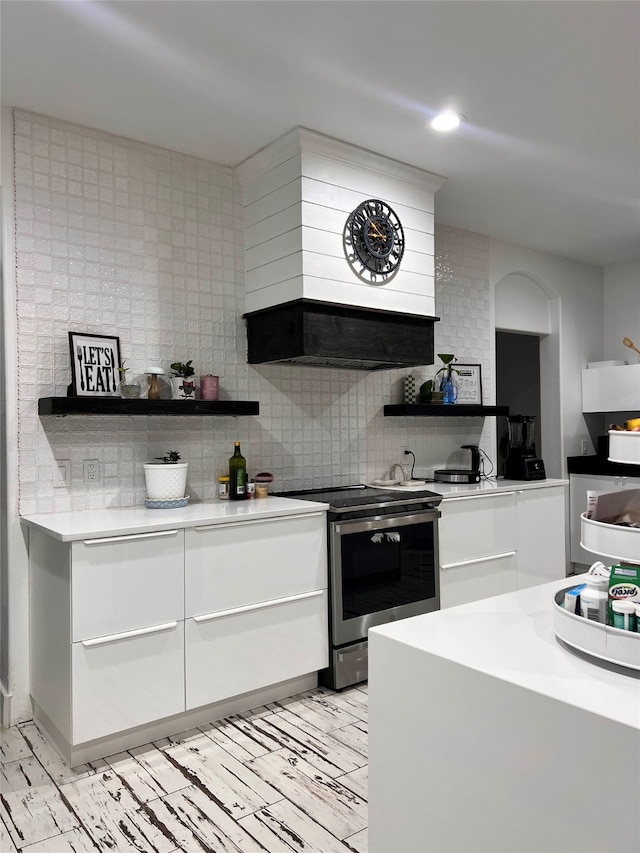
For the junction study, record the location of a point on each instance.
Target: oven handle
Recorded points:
(379, 522)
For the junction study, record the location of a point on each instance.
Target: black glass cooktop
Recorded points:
(352, 496)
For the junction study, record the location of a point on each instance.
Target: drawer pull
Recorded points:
(129, 536)
(447, 500)
(259, 606)
(478, 560)
(225, 524)
(139, 632)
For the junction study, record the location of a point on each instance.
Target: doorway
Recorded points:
(517, 385)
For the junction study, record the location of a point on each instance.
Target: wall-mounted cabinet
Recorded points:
(611, 389)
(62, 406)
(431, 410)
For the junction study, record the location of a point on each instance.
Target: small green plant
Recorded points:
(122, 370)
(172, 458)
(447, 369)
(182, 368)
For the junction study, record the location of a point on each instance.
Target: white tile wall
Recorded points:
(120, 238)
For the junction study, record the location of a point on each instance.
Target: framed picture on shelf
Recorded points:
(469, 378)
(95, 360)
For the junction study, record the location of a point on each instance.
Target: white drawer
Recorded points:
(474, 527)
(125, 582)
(246, 649)
(231, 565)
(478, 579)
(124, 681)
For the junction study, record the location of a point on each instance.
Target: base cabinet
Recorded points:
(541, 517)
(125, 681)
(497, 543)
(239, 651)
(115, 649)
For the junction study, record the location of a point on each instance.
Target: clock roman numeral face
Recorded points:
(373, 241)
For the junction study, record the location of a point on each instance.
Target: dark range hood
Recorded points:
(322, 334)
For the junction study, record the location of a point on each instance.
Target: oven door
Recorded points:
(381, 569)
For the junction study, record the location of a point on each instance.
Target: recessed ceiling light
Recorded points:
(446, 120)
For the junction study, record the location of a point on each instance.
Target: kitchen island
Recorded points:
(487, 734)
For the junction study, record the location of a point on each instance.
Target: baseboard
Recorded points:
(5, 707)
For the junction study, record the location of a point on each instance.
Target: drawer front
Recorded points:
(476, 527)
(125, 681)
(242, 563)
(252, 648)
(479, 579)
(126, 582)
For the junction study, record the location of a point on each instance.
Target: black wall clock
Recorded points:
(373, 241)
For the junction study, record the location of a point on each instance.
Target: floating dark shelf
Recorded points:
(436, 410)
(119, 406)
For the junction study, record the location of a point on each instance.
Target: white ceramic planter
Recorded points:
(183, 388)
(165, 482)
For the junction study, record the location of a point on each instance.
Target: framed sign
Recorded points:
(469, 378)
(95, 360)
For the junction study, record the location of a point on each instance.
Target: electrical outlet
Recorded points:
(91, 468)
(584, 447)
(61, 473)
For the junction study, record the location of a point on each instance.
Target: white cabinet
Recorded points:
(541, 535)
(126, 680)
(611, 389)
(138, 630)
(106, 633)
(579, 485)
(125, 582)
(501, 542)
(478, 547)
(256, 597)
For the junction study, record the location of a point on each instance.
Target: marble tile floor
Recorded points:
(288, 776)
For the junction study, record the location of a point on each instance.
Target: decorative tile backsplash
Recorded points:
(115, 237)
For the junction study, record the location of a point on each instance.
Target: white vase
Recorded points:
(183, 388)
(165, 482)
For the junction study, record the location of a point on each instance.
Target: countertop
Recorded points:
(448, 490)
(122, 521)
(600, 466)
(511, 638)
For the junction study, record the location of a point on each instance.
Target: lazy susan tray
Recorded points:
(600, 641)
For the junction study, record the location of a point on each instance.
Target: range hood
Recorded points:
(320, 334)
(306, 303)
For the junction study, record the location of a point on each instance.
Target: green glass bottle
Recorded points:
(237, 475)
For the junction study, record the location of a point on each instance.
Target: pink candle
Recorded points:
(209, 387)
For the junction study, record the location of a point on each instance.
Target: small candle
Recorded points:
(209, 387)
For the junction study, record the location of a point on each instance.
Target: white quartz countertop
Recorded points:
(511, 637)
(484, 487)
(121, 521)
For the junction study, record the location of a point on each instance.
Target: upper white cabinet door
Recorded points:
(541, 536)
(125, 582)
(242, 563)
(478, 526)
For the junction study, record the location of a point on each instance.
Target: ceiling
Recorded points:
(549, 155)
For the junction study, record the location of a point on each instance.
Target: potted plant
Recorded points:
(444, 381)
(166, 478)
(183, 386)
(128, 390)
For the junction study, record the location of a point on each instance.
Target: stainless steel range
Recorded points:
(383, 566)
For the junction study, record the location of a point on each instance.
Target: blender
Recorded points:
(522, 462)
